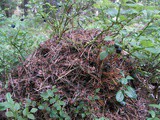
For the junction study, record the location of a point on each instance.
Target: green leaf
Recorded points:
(123, 1)
(54, 90)
(136, 1)
(17, 106)
(9, 98)
(156, 118)
(155, 105)
(33, 110)
(9, 114)
(147, 43)
(124, 81)
(50, 93)
(33, 103)
(112, 12)
(48, 109)
(83, 115)
(44, 95)
(28, 102)
(119, 96)
(156, 16)
(25, 111)
(153, 50)
(108, 38)
(153, 114)
(57, 106)
(21, 118)
(41, 107)
(150, 118)
(53, 113)
(2, 106)
(63, 114)
(103, 55)
(129, 78)
(53, 100)
(140, 55)
(31, 116)
(96, 97)
(61, 103)
(90, 97)
(130, 92)
(97, 90)
(8, 105)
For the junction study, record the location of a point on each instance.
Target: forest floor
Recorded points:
(77, 71)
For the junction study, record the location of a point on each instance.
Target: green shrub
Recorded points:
(155, 114)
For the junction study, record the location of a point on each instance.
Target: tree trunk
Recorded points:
(6, 7)
(25, 2)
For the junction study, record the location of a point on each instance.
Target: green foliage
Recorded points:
(52, 103)
(81, 109)
(155, 114)
(16, 111)
(64, 17)
(16, 43)
(106, 51)
(125, 90)
(134, 26)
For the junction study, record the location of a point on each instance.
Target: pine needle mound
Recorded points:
(77, 71)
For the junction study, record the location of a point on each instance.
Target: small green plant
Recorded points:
(50, 103)
(65, 17)
(16, 111)
(125, 90)
(53, 104)
(155, 115)
(17, 40)
(81, 108)
(135, 28)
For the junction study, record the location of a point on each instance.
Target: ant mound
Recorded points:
(85, 83)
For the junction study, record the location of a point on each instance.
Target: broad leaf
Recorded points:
(9, 114)
(53, 100)
(33, 110)
(50, 93)
(97, 90)
(130, 92)
(112, 12)
(41, 107)
(129, 78)
(45, 95)
(25, 111)
(119, 96)
(31, 116)
(108, 38)
(153, 114)
(2, 107)
(153, 50)
(124, 81)
(155, 105)
(147, 43)
(9, 98)
(103, 55)
(17, 106)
